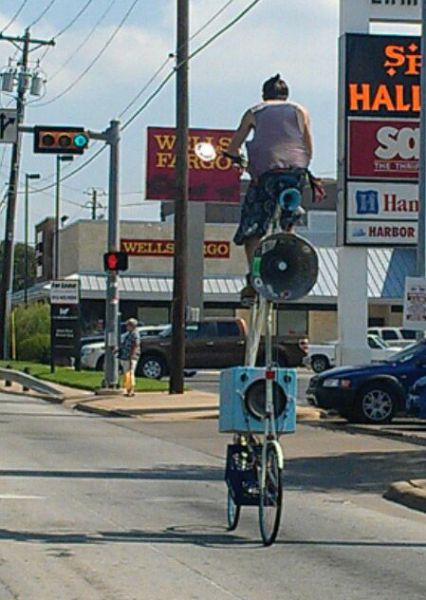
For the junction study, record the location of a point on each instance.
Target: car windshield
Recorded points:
(409, 353)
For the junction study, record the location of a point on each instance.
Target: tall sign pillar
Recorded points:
(379, 104)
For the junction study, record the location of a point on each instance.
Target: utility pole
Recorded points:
(28, 176)
(180, 264)
(56, 253)
(112, 305)
(93, 204)
(9, 238)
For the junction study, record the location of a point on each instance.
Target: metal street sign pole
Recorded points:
(112, 304)
(421, 246)
(180, 270)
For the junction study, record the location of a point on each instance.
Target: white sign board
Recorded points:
(383, 201)
(8, 126)
(415, 303)
(355, 15)
(375, 233)
(65, 292)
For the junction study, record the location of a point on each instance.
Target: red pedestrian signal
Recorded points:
(116, 261)
(60, 140)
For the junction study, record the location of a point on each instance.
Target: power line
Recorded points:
(146, 86)
(41, 15)
(221, 31)
(85, 40)
(191, 56)
(95, 59)
(159, 88)
(212, 18)
(70, 24)
(15, 16)
(73, 20)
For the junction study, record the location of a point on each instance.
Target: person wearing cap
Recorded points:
(129, 355)
(282, 142)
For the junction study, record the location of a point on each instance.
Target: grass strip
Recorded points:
(83, 380)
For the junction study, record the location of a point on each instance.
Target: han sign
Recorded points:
(217, 181)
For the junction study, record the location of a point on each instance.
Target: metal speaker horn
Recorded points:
(285, 267)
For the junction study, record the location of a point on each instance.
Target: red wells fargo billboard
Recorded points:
(217, 181)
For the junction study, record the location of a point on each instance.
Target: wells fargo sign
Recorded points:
(165, 248)
(216, 181)
(383, 75)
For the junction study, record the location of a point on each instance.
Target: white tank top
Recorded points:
(278, 141)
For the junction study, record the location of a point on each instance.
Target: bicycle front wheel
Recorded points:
(271, 496)
(233, 512)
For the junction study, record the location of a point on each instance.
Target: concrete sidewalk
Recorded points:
(161, 406)
(411, 493)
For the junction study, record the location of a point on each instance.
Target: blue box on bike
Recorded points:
(243, 397)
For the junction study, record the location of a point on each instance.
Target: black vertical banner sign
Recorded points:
(65, 319)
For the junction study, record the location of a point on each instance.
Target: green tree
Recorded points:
(19, 266)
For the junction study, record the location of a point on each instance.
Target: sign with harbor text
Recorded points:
(382, 105)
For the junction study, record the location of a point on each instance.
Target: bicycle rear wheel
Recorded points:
(233, 512)
(271, 496)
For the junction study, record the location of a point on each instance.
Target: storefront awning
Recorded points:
(387, 270)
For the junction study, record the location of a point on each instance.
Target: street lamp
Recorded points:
(28, 176)
(59, 159)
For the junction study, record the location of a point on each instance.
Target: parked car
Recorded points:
(323, 356)
(93, 355)
(371, 393)
(416, 401)
(213, 343)
(396, 336)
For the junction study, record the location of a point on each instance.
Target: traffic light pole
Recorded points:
(112, 341)
(9, 238)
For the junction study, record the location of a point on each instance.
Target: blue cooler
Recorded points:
(243, 396)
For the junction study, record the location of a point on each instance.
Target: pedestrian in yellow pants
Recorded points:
(129, 354)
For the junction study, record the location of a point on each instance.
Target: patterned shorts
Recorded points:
(259, 205)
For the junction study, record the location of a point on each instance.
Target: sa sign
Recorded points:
(8, 126)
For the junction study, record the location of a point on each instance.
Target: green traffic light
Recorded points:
(81, 140)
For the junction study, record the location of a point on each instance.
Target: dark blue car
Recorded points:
(371, 393)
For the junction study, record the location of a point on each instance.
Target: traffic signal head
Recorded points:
(60, 140)
(116, 261)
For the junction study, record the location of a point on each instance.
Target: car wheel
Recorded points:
(100, 363)
(376, 404)
(320, 363)
(151, 367)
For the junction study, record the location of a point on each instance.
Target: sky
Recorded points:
(297, 38)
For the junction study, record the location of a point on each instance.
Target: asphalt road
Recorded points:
(208, 381)
(118, 509)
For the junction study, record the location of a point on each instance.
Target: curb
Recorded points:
(410, 493)
(303, 414)
(351, 428)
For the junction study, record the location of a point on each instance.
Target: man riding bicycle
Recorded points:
(279, 155)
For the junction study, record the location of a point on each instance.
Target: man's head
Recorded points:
(275, 88)
(131, 324)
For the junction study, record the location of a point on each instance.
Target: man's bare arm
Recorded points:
(240, 136)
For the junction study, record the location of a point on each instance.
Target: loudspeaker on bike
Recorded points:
(243, 397)
(285, 267)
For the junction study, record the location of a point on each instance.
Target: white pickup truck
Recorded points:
(323, 356)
